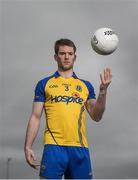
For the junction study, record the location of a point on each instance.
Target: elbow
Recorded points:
(97, 116)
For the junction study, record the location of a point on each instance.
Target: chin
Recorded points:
(65, 68)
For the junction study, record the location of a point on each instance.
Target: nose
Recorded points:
(66, 56)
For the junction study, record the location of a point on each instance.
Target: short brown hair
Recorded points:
(64, 42)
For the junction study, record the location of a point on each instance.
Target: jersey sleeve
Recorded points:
(91, 91)
(39, 92)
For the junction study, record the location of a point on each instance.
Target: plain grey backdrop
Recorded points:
(28, 30)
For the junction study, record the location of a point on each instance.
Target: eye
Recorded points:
(61, 53)
(70, 53)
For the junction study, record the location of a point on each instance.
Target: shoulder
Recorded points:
(90, 89)
(42, 82)
(40, 89)
(87, 83)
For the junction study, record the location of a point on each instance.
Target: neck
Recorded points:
(66, 74)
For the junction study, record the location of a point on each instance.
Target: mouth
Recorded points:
(66, 63)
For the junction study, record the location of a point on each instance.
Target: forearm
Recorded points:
(96, 107)
(32, 131)
(99, 107)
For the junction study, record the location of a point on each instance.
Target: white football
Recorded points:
(104, 41)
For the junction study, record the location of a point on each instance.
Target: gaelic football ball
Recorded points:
(104, 41)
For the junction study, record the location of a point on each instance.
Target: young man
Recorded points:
(64, 98)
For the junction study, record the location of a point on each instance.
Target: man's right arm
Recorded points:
(31, 133)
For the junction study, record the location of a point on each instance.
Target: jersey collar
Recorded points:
(56, 75)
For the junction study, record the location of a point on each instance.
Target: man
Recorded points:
(64, 98)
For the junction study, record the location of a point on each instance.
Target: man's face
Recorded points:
(65, 58)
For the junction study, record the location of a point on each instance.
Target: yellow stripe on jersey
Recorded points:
(64, 103)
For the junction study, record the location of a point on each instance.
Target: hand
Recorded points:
(106, 79)
(30, 158)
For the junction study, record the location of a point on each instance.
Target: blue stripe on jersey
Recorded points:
(90, 89)
(40, 90)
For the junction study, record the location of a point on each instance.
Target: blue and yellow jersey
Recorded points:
(64, 104)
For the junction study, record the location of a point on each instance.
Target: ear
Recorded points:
(75, 57)
(55, 57)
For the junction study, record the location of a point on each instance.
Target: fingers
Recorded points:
(35, 166)
(108, 73)
(30, 158)
(107, 76)
(33, 156)
(102, 79)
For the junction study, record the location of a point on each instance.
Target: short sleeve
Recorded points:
(90, 88)
(91, 91)
(39, 92)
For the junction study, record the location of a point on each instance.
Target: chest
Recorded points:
(66, 90)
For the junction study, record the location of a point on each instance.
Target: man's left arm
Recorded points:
(96, 107)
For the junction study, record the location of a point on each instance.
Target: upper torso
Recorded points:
(64, 104)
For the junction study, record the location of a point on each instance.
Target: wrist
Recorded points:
(27, 147)
(102, 91)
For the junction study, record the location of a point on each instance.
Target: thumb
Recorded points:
(101, 77)
(33, 156)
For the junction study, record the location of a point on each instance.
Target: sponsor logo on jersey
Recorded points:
(75, 94)
(53, 86)
(79, 88)
(66, 99)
